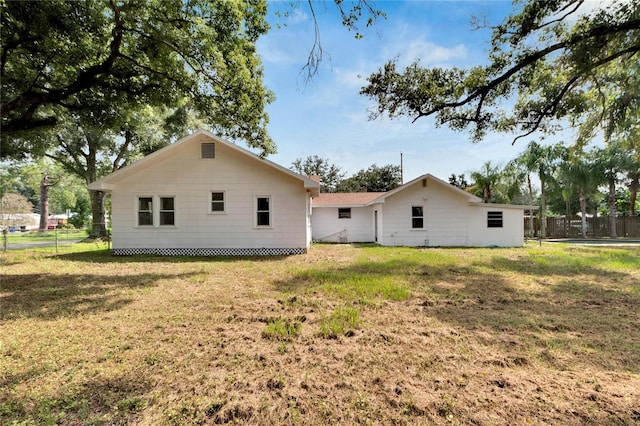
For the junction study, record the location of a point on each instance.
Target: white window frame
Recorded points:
(497, 221)
(345, 210)
(138, 211)
(160, 210)
(414, 217)
(224, 202)
(257, 212)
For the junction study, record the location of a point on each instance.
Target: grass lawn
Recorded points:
(48, 235)
(342, 335)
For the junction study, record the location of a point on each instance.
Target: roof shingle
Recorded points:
(345, 198)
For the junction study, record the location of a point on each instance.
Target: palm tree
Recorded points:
(542, 160)
(578, 173)
(608, 164)
(485, 181)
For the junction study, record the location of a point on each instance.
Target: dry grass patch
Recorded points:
(344, 334)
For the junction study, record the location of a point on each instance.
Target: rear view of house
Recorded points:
(424, 212)
(206, 196)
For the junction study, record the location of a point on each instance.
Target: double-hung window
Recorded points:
(167, 211)
(263, 211)
(417, 217)
(154, 211)
(217, 202)
(145, 211)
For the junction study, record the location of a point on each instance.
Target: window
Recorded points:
(217, 202)
(167, 211)
(145, 211)
(344, 213)
(417, 217)
(208, 150)
(263, 206)
(494, 219)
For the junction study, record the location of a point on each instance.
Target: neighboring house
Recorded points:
(205, 196)
(424, 212)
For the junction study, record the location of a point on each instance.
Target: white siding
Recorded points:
(190, 180)
(327, 227)
(445, 217)
(510, 235)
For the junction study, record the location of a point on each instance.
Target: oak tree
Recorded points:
(541, 37)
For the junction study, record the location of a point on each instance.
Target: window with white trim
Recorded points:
(167, 211)
(417, 217)
(217, 202)
(263, 211)
(145, 211)
(494, 219)
(344, 213)
(208, 150)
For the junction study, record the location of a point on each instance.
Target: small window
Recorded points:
(494, 219)
(344, 213)
(145, 211)
(417, 217)
(167, 211)
(217, 202)
(263, 211)
(208, 150)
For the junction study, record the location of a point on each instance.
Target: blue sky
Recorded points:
(329, 118)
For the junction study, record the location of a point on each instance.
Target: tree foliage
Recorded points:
(330, 174)
(484, 181)
(541, 38)
(103, 57)
(373, 179)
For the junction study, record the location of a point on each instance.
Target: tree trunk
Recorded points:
(98, 228)
(583, 211)
(612, 209)
(44, 202)
(530, 203)
(543, 211)
(634, 187)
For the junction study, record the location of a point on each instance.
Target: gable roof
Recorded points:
(355, 199)
(429, 178)
(106, 183)
(345, 198)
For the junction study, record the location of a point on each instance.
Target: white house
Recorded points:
(203, 195)
(424, 212)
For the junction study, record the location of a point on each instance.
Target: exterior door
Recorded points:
(375, 225)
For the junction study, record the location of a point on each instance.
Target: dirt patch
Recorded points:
(488, 341)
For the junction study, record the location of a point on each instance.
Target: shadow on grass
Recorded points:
(105, 256)
(51, 295)
(104, 401)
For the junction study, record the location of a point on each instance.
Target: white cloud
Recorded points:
(297, 16)
(431, 54)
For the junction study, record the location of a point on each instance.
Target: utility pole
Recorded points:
(401, 170)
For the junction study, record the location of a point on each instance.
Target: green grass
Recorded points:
(279, 328)
(339, 321)
(342, 335)
(48, 235)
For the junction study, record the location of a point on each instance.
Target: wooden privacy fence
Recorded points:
(597, 227)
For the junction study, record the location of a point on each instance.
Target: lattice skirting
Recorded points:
(209, 251)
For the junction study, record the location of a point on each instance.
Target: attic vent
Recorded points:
(208, 150)
(424, 182)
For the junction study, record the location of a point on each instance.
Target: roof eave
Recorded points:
(505, 206)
